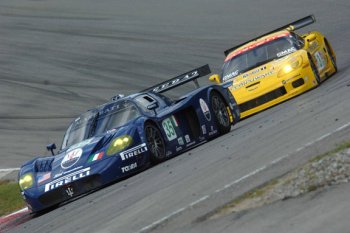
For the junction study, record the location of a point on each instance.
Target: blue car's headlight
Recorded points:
(119, 144)
(26, 181)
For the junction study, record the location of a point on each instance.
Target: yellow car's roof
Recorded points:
(256, 43)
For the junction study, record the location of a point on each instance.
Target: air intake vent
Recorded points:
(262, 99)
(44, 165)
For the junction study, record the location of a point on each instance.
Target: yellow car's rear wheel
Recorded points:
(331, 55)
(314, 70)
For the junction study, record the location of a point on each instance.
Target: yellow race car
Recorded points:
(276, 66)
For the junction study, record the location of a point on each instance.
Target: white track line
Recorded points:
(8, 169)
(189, 206)
(10, 217)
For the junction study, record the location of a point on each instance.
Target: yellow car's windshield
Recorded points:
(257, 56)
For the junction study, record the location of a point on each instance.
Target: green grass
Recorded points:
(10, 198)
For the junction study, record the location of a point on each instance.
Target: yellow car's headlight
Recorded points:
(293, 64)
(26, 181)
(119, 144)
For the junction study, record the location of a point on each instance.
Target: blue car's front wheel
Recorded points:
(155, 143)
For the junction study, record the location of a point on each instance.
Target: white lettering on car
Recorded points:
(133, 151)
(67, 179)
(129, 167)
(285, 52)
(248, 81)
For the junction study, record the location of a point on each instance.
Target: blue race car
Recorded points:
(126, 135)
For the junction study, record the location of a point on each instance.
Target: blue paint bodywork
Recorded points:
(55, 183)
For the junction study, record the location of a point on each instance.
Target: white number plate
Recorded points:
(169, 129)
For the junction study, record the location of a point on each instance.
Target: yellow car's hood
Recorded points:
(259, 80)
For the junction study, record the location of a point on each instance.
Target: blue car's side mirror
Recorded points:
(51, 147)
(153, 106)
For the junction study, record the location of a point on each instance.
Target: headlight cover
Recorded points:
(119, 144)
(293, 64)
(26, 181)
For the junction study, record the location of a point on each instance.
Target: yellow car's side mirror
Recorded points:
(310, 38)
(215, 78)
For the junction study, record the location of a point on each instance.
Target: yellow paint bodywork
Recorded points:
(284, 78)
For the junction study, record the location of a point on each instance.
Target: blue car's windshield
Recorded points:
(96, 122)
(116, 115)
(80, 129)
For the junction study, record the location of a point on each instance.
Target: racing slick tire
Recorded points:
(314, 70)
(221, 115)
(331, 56)
(155, 143)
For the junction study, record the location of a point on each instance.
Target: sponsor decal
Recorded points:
(321, 62)
(285, 52)
(44, 177)
(129, 167)
(174, 120)
(133, 151)
(230, 76)
(67, 179)
(96, 157)
(71, 158)
(248, 81)
(169, 129)
(191, 144)
(187, 138)
(180, 141)
(204, 129)
(176, 81)
(251, 73)
(237, 52)
(111, 131)
(178, 148)
(212, 132)
(201, 138)
(70, 191)
(205, 109)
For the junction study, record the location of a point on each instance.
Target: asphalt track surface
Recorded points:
(59, 58)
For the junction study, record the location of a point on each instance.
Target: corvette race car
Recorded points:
(126, 135)
(276, 66)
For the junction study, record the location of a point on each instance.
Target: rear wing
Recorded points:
(192, 75)
(290, 27)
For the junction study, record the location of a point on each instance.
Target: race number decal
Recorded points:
(169, 129)
(321, 63)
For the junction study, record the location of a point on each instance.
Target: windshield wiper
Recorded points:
(93, 125)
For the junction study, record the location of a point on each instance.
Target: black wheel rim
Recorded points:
(220, 111)
(155, 142)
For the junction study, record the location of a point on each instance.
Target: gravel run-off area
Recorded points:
(323, 171)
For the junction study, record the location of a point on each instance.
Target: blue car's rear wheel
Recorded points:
(222, 117)
(155, 143)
